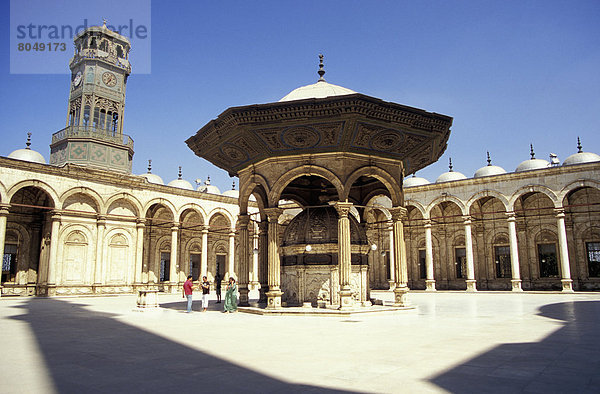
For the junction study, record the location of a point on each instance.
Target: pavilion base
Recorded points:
(567, 285)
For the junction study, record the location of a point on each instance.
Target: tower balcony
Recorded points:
(88, 132)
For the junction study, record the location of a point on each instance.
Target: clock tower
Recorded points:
(93, 135)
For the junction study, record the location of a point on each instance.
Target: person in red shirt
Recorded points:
(188, 288)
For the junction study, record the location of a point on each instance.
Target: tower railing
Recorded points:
(92, 132)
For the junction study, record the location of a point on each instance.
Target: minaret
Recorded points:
(94, 131)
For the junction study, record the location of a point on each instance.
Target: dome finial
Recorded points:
(489, 161)
(579, 147)
(207, 181)
(149, 166)
(179, 172)
(321, 71)
(104, 22)
(28, 143)
(532, 153)
(233, 185)
(450, 164)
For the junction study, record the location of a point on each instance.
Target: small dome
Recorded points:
(451, 175)
(153, 178)
(533, 163)
(320, 89)
(208, 188)
(415, 181)
(489, 170)
(581, 157)
(232, 193)
(27, 155)
(181, 183)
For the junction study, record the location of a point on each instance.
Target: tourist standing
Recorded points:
(205, 291)
(187, 292)
(231, 296)
(218, 287)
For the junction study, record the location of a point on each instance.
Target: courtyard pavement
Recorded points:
(488, 342)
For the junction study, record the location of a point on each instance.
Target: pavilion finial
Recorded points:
(321, 71)
(28, 143)
(532, 153)
(233, 185)
(179, 172)
(489, 161)
(450, 164)
(104, 22)
(149, 166)
(579, 147)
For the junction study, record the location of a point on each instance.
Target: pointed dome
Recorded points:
(208, 188)
(181, 183)
(451, 175)
(581, 157)
(152, 178)
(27, 154)
(533, 163)
(321, 89)
(489, 170)
(415, 181)
(232, 193)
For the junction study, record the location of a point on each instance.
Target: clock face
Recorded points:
(77, 79)
(109, 79)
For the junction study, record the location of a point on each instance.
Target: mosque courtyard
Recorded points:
(452, 342)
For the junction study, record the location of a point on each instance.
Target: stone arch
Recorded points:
(565, 191)
(3, 195)
(76, 250)
(447, 198)
(310, 170)
(88, 193)
(257, 184)
(417, 205)
(119, 244)
(192, 207)
(487, 193)
(223, 212)
(19, 235)
(393, 188)
(49, 190)
(160, 201)
(128, 198)
(534, 189)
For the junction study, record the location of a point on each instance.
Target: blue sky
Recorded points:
(510, 73)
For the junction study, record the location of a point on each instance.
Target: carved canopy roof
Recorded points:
(355, 123)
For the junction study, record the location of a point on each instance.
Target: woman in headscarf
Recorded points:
(231, 296)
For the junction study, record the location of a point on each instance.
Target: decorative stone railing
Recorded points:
(92, 132)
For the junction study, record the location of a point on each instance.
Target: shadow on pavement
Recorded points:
(87, 352)
(565, 361)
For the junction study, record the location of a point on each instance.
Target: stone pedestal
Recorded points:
(346, 301)
(243, 300)
(516, 285)
(471, 285)
(274, 299)
(567, 285)
(392, 284)
(147, 299)
(430, 285)
(401, 296)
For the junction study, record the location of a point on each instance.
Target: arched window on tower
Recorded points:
(86, 116)
(93, 43)
(119, 51)
(102, 123)
(115, 123)
(96, 117)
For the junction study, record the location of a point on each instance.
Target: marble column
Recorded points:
(401, 290)
(139, 250)
(263, 260)
(274, 273)
(344, 253)
(52, 261)
(231, 265)
(3, 216)
(392, 264)
(430, 281)
(254, 274)
(565, 269)
(204, 255)
(173, 277)
(244, 258)
(514, 252)
(100, 228)
(471, 283)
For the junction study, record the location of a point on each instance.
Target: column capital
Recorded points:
(175, 226)
(427, 223)
(56, 216)
(101, 219)
(466, 219)
(4, 209)
(560, 212)
(511, 216)
(343, 208)
(398, 213)
(205, 228)
(243, 220)
(273, 214)
(140, 222)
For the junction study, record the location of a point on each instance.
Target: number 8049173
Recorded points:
(42, 46)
